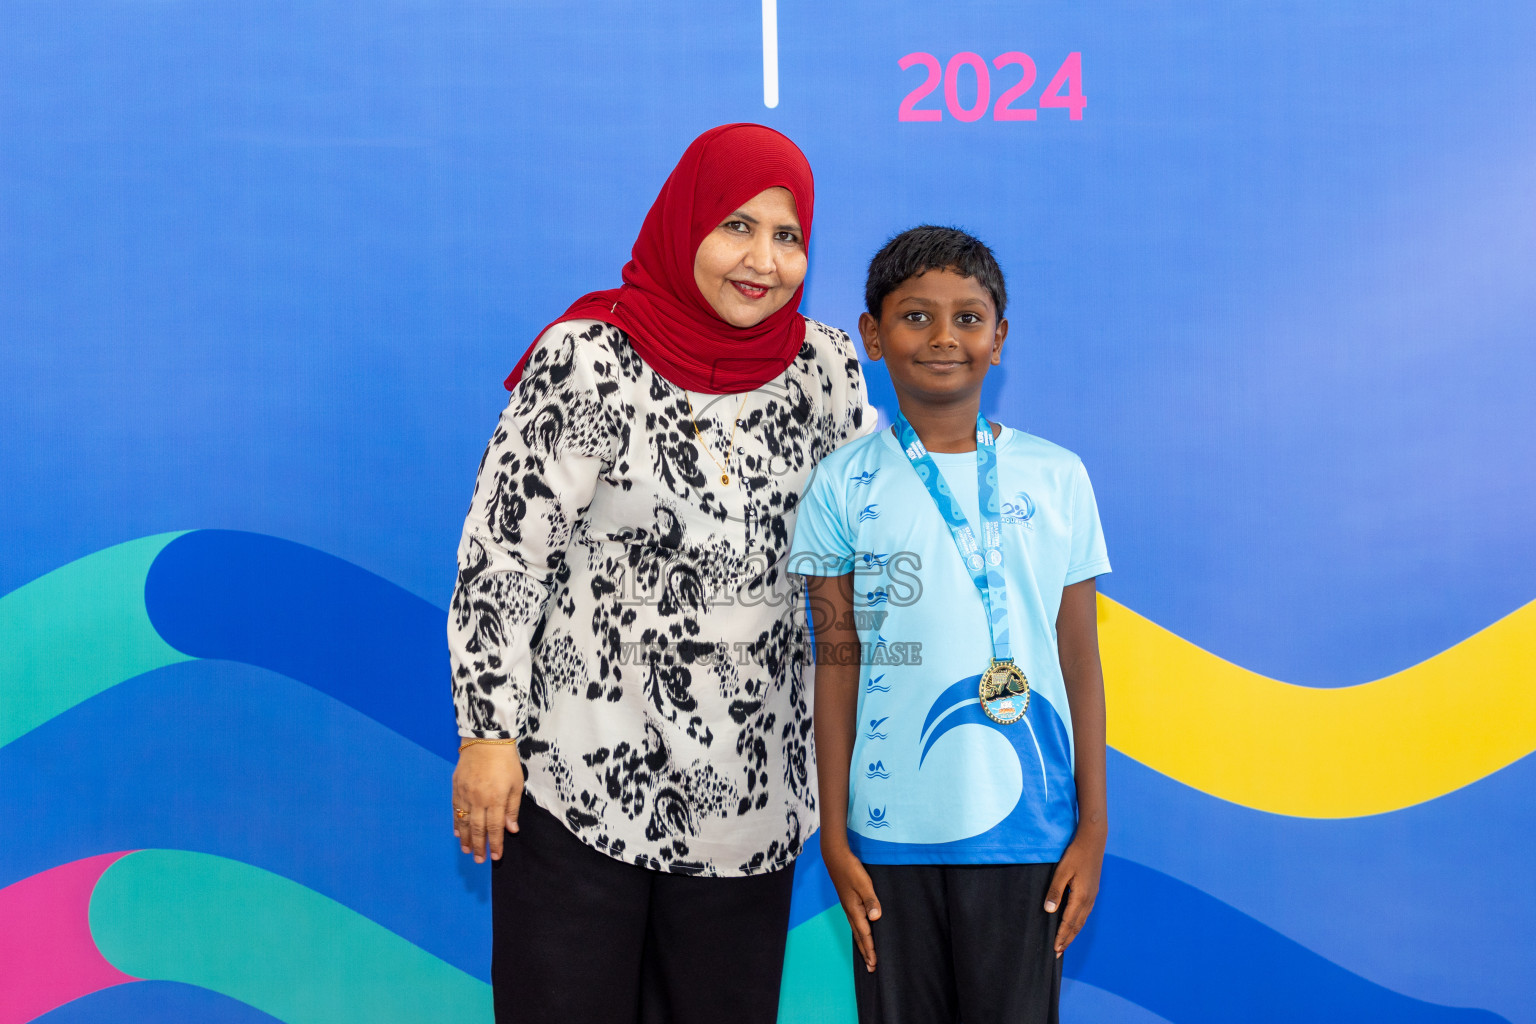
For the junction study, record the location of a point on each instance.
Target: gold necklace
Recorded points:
(725, 475)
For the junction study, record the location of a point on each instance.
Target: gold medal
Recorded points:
(1004, 692)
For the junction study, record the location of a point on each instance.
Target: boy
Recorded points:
(951, 566)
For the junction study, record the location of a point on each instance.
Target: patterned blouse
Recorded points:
(626, 616)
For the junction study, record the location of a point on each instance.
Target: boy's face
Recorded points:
(938, 332)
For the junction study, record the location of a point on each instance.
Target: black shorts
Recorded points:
(582, 938)
(968, 943)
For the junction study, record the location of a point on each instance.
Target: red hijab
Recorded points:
(672, 325)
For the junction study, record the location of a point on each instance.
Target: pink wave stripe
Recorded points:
(46, 949)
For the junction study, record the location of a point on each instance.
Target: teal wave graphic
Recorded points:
(71, 634)
(219, 924)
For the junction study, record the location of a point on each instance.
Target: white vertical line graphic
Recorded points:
(770, 53)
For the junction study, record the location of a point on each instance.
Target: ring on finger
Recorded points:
(460, 813)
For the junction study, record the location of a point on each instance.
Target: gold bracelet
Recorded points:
(472, 740)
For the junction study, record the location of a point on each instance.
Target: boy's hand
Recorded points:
(857, 894)
(1076, 877)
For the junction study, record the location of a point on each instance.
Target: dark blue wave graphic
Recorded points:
(312, 617)
(155, 1002)
(227, 759)
(1193, 959)
(814, 891)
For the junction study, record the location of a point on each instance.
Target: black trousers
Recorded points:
(581, 938)
(969, 943)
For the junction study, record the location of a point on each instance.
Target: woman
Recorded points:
(623, 631)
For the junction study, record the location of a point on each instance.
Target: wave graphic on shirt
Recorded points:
(876, 770)
(875, 686)
(874, 728)
(869, 512)
(864, 479)
(877, 818)
(1041, 817)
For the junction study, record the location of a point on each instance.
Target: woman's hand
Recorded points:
(857, 894)
(488, 789)
(1076, 878)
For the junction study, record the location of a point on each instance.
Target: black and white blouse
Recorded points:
(626, 616)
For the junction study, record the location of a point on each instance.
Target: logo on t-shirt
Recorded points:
(877, 771)
(877, 818)
(874, 728)
(1020, 510)
(869, 512)
(876, 686)
(864, 479)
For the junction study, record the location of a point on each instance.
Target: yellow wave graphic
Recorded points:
(1320, 753)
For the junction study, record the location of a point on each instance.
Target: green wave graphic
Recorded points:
(77, 631)
(173, 915)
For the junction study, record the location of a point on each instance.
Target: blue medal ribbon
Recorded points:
(983, 559)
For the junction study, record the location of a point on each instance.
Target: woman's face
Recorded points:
(749, 266)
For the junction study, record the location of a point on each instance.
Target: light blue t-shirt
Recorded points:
(933, 780)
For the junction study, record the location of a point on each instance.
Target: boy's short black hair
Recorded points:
(928, 247)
